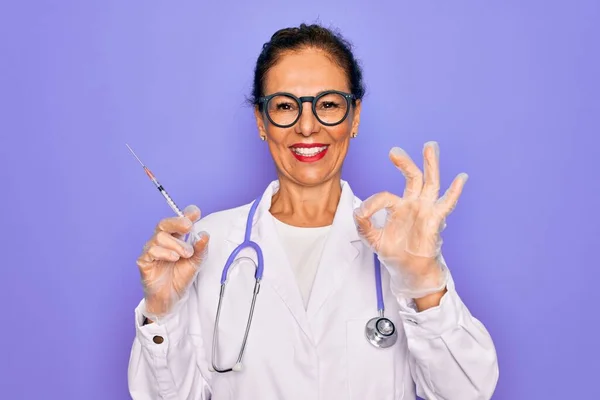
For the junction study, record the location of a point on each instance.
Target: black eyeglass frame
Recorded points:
(264, 101)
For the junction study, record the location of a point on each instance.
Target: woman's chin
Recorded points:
(312, 178)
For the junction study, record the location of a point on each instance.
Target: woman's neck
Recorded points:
(304, 206)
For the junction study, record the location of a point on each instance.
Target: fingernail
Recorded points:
(464, 176)
(191, 208)
(203, 234)
(435, 146)
(189, 250)
(397, 152)
(185, 222)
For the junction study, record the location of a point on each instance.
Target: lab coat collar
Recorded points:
(343, 220)
(340, 251)
(343, 217)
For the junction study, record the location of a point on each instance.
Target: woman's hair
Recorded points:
(307, 36)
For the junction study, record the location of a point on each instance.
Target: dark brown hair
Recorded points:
(307, 36)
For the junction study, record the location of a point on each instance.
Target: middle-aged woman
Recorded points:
(319, 329)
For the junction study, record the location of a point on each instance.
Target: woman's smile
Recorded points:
(309, 152)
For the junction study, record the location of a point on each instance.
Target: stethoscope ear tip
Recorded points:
(237, 367)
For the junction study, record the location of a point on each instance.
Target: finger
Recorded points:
(175, 225)
(158, 253)
(187, 270)
(431, 159)
(200, 248)
(449, 200)
(377, 202)
(412, 173)
(183, 249)
(192, 213)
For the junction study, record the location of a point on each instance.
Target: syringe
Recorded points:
(162, 190)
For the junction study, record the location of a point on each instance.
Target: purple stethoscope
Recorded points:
(379, 331)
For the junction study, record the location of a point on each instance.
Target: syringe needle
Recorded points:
(135, 155)
(148, 172)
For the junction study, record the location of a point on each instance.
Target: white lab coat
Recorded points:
(319, 352)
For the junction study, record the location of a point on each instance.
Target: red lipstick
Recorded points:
(309, 152)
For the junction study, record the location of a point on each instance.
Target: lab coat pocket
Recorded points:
(373, 373)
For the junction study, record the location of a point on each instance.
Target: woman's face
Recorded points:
(308, 153)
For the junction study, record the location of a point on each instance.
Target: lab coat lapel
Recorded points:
(277, 272)
(341, 249)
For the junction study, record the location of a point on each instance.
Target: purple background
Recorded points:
(509, 89)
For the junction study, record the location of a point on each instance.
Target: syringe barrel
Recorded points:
(170, 201)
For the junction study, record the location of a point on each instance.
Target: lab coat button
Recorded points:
(158, 339)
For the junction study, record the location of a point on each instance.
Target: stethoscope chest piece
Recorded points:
(381, 332)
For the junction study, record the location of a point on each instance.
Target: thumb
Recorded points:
(363, 217)
(199, 241)
(200, 248)
(192, 212)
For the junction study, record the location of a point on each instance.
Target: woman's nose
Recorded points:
(307, 124)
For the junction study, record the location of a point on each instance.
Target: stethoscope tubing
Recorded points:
(259, 266)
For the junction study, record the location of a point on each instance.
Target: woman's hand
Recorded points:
(409, 242)
(168, 265)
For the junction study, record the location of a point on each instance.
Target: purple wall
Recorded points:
(509, 89)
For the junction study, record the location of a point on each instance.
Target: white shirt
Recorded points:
(304, 247)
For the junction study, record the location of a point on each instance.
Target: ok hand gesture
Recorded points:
(409, 242)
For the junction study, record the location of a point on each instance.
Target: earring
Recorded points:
(263, 138)
(354, 134)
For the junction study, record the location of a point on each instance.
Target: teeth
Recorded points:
(308, 152)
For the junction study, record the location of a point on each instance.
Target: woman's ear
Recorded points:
(356, 117)
(260, 123)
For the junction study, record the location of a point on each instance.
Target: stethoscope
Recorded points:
(379, 331)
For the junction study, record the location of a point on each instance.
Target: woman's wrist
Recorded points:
(430, 301)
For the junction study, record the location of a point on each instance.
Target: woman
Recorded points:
(307, 338)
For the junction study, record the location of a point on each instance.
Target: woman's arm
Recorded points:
(452, 355)
(167, 358)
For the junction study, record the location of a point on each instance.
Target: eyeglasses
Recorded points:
(284, 109)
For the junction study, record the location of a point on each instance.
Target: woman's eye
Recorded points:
(284, 106)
